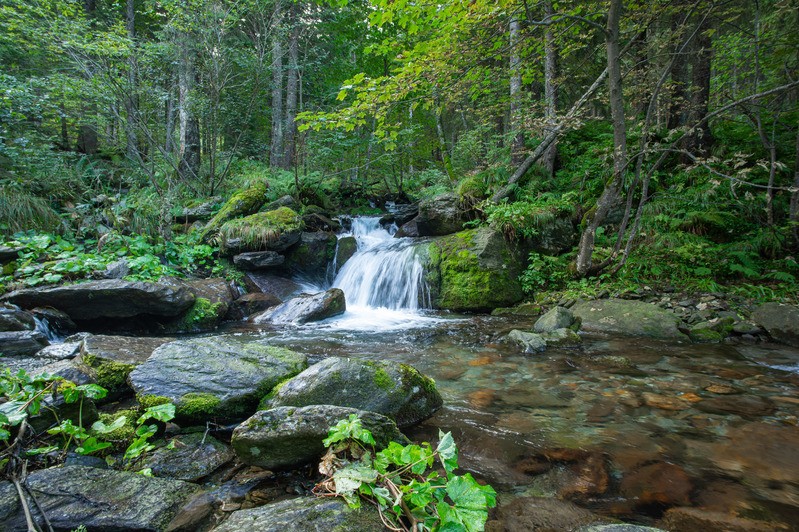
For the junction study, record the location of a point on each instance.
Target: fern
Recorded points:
(20, 211)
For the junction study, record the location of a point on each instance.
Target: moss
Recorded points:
(123, 436)
(242, 203)
(110, 375)
(383, 380)
(202, 316)
(146, 401)
(259, 230)
(264, 404)
(198, 406)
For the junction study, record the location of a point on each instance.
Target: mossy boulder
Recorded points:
(310, 257)
(395, 390)
(631, 318)
(346, 248)
(287, 437)
(188, 457)
(474, 270)
(241, 203)
(217, 377)
(201, 317)
(781, 321)
(556, 318)
(272, 230)
(438, 216)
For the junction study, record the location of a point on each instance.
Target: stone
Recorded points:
(318, 221)
(241, 203)
(65, 351)
(310, 257)
(704, 333)
(57, 323)
(305, 308)
(686, 519)
(12, 318)
(213, 299)
(69, 370)
(198, 213)
(746, 327)
(216, 377)
(347, 246)
(8, 254)
(665, 402)
(110, 298)
(631, 318)
(273, 230)
(192, 457)
(305, 514)
(659, 483)
(525, 514)
(562, 338)
(556, 318)
(280, 287)
(395, 390)
(475, 270)
(102, 499)
(529, 342)
(250, 304)
(402, 213)
(286, 437)
(619, 527)
(748, 406)
(780, 321)
(21, 343)
(438, 216)
(118, 269)
(258, 260)
(554, 237)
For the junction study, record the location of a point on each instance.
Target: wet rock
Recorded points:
(192, 457)
(102, 499)
(529, 342)
(310, 257)
(693, 519)
(272, 230)
(632, 318)
(7, 254)
(591, 478)
(618, 527)
(12, 318)
(522, 309)
(317, 221)
(106, 299)
(722, 389)
(402, 213)
(747, 406)
(704, 333)
(557, 318)
(660, 483)
(258, 260)
(21, 343)
(781, 321)
(526, 514)
(665, 402)
(395, 390)
(65, 351)
(562, 338)
(474, 270)
(306, 514)
(197, 213)
(250, 304)
(69, 370)
(438, 216)
(280, 287)
(286, 437)
(305, 308)
(347, 246)
(57, 322)
(112, 358)
(746, 327)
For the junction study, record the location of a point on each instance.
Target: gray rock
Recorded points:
(746, 327)
(258, 260)
(402, 213)
(631, 318)
(539, 513)
(70, 370)
(395, 390)
(556, 318)
(620, 527)
(109, 298)
(198, 213)
(529, 342)
(347, 246)
(112, 358)
(65, 351)
(562, 338)
(437, 216)
(305, 308)
(555, 237)
(102, 499)
(306, 514)
(7, 254)
(57, 324)
(286, 437)
(280, 287)
(310, 257)
(250, 304)
(21, 343)
(192, 457)
(282, 201)
(780, 321)
(12, 318)
(117, 269)
(221, 377)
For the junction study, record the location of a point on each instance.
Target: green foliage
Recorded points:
(525, 219)
(259, 230)
(19, 211)
(402, 480)
(544, 272)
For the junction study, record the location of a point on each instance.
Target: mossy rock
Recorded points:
(474, 270)
(242, 203)
(217, 377)
(273, 230)
(311, 256)
(631, 318)
(202, 316)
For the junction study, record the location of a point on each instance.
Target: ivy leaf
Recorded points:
(447, 451)
(466, 492)
(92, 391)
(164, 413)
(101, 428)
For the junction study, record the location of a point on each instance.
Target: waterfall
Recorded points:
(384, 272)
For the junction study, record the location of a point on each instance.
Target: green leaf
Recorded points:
(447, 451)
(14, 412)
(41, 450)
(91, 445)
(101, 428)
(164, 413)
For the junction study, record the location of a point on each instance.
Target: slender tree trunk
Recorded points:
(87, 129)
(679, 76)
(610, 195)
(276, 146)
(64, 130)
(189, 166)
(550, 87)
(292, 82)
(442, 144)
(700, 139)
(515, 129)
(170, 115)
(131, 98)
(795, 194)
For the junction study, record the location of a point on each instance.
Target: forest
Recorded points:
(667, 131)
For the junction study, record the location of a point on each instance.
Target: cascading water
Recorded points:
(384, 272)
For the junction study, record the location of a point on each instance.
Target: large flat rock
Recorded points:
(630, 318)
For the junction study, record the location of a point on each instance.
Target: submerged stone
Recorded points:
(529, 342)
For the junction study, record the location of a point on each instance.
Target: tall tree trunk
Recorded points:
(515, 64)
(550, 86)
(170, 115)
(189, 150)
(131, 98)
(610, 195)
(700, 139)
(679, 74)
(276, 146)
(795, 194)
(87, 130)
(292, 83)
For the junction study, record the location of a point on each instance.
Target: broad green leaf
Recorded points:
(164, 413)
(447, 451)
(92, 391)
(101, 428)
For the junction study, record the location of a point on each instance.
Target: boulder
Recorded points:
(525, 514)
(21, 343)
(562, 338)
(213, 299)
(557, 318)
(64, 351)
(401, 213)
(102, 499)
(660, 483)
(191, 457)
(312, 255)
(305, 308)
(7, 254)
(395, 390)
(631, 318)
(554, 237)
(197, 213)
(287, 437)
(280, 287)
(250, 304)
(12, 318)
(305, 514)
(474, 270)
(529, 342)
(258, 260)
(685, 519)
(319, 221)
(241, 203)
(273, 230)
(780, 321)
(438, 216)
(346, 248)
(109, 298)
(220, 377)
(746, 406)
(58, 323)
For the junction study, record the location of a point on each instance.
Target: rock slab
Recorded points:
(305, 308)
(781, 321)
(631, 318)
